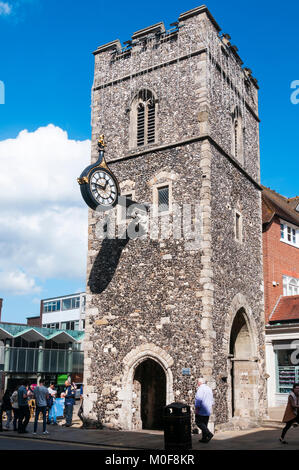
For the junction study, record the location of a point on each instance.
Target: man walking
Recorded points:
(24, 412)
(41, 395)
(203, 408)
(69, 394)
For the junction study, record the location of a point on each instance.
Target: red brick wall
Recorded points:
(34, 321)
(279, 259)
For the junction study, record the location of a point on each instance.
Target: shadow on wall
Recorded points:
(105, 264)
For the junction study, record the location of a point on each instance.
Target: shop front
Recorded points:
(282, 361)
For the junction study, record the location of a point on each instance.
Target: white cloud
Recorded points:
(18, 283)
(41, 167)
(43, 220)
(5, 9)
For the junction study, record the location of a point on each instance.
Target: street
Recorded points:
(17, 443)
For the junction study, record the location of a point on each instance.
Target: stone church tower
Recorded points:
(180, 116)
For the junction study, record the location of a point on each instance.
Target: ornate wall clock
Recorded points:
(99, 187)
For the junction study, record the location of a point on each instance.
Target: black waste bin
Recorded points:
(177, 427)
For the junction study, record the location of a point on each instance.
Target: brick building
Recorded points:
(281, 280)
(180, 115)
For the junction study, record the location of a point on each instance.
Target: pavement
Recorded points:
(263, 438)
(260, 438)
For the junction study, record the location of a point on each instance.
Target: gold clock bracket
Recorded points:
(82, 180)
(102, 164)
(102, 144)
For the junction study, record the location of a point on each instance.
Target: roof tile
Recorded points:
(287, 309)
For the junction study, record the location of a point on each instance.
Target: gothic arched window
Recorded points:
(143, 119)
(237, 136)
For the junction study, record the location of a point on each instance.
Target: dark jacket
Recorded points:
(70, 395)
(6, 404)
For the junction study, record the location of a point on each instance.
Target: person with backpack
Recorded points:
(15, 409)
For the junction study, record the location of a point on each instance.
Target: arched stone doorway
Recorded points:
(130, 394)
(244, 369)
(149, 391)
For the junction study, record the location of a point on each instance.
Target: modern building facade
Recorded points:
(281, 275)
(33, 353)
(65, 312)
(180, 114)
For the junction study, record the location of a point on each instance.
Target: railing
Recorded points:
(44, 360)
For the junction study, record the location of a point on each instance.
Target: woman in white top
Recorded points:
(15, 409)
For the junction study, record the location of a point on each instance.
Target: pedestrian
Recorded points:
(30, 391)
(41, 395)
(50, 403)
(291, 415)
(203, 408)
(80, 412)
(24, 412)
(69, 401)
(15, 409)
(6, 406)
(1, 413)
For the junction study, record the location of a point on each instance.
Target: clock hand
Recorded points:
(100, 186)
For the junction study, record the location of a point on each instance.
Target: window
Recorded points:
(140, 124)
(289, 234)
(237, 135)
(238, 226)
(290, 285)
(124, 204)
(71, 303)
(70, 325)
(163, 199)
(162, 184)
(287, 373)
(51, 306)
(143, 119)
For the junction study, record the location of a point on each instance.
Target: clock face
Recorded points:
(103, 188)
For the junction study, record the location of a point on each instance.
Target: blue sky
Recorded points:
(46, 64)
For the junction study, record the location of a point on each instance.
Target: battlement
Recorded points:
(184, 31)
(158, 31)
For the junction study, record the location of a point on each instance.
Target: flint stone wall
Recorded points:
(152, 298)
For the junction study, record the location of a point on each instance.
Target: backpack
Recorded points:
(14, 398)
(50, 401)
